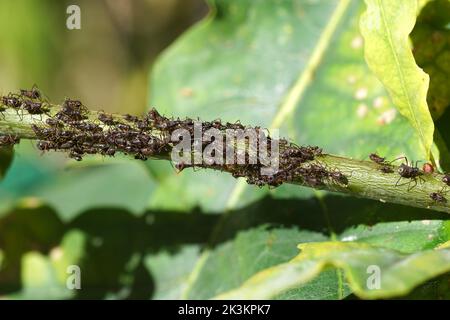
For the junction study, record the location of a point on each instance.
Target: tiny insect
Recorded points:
(438, 197)
(45, 145)
(34, 107)
(34, 93)
(411, 172)
(339, 177)
(376, 158)
(12, 102)
(106, 119)
(386, 168)
(9, 140)
(428, 168)
(54, 123)
(131, 118)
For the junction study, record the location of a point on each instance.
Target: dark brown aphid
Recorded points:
(34, 107)
(72, 110)
(376, 158)
(130, 118)
(428, 168)
(76, 155)
(106, 119)
(72, 105)
(339, 177)
(386, 168)
(9, 140)
(406, 171)
(409, 172)
(12, 102)
(45, 145)
(438, 197)
(34, 93)
(54, 123)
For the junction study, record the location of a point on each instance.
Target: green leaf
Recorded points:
(171, 271)
(314, 77)
(385, 27)
(399, 273)
(393, 234)
(250, 252)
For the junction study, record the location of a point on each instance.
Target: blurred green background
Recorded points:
(106, 65)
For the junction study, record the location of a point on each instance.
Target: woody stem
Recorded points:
(365, 179)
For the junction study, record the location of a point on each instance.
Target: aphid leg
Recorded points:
(399, 158)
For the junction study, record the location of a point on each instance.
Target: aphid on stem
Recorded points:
(34, 93)
(408, 171)
(438, 196)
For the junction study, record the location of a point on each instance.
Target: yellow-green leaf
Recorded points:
(385, 26)
(398, 272)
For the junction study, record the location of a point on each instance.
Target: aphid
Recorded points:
(407, 171)
(339, 177)
(376, 158)
(9, 140)
(74, 154)
(106, 119)
(12, 102)
(386, 168)
(34, 107)
(45, 145)
(438, 197)
(236, 126)
(72, 105)
(54, 122)
(130, 118)
(123, 127)
(34, 93)
(428, 168)
(446, 179)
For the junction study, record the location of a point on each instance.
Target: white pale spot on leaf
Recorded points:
(361, 93)
(387, 117)
(357, 42)
(362, 110)
(378, 102)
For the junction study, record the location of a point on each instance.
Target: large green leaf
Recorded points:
(398, 273)
(270, 64)
(385, 27)
(297, 66)
(394, 235)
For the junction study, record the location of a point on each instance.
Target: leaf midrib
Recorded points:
(297, 91)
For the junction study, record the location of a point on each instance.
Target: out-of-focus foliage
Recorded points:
(143, 231)
(431, 42)
(385, 26)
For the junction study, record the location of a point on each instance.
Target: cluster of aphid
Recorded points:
(72, 131)
(294, 165)
(30, 101)
(412, 172)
